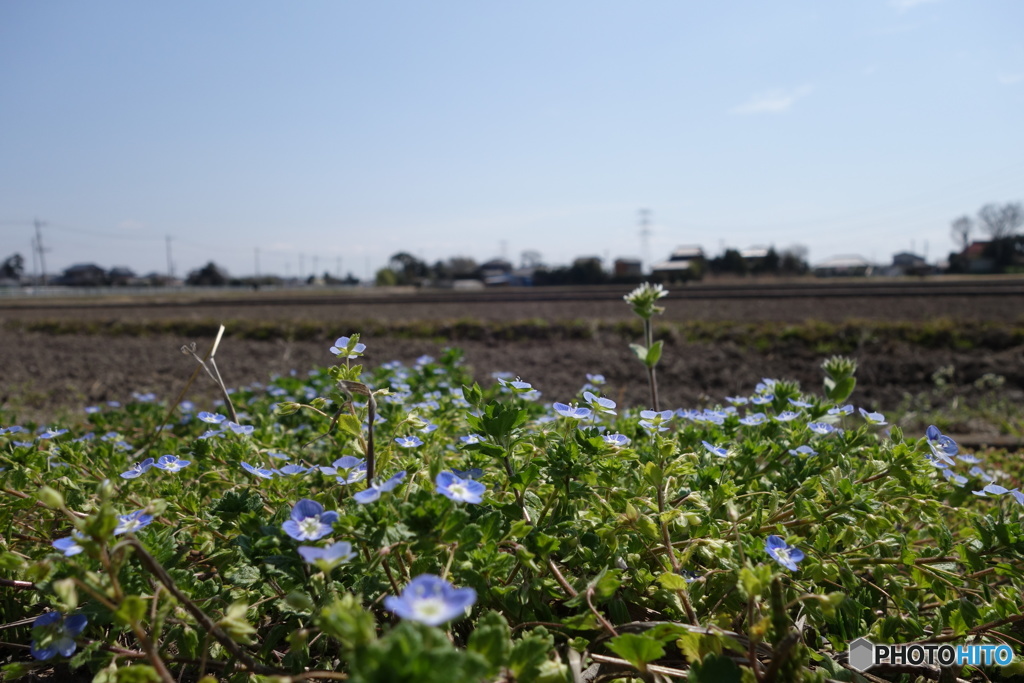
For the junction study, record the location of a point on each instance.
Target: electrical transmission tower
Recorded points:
(645, 235)
(38, 243)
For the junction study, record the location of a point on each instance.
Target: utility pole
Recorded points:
(257, 262)
(39, 247)
(170, 263)
(645, 234)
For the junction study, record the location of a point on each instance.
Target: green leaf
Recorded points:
(638, 650)
(349, 424)
(714, 669)
(529, 654)
(138, 673)
(672, 581)
(131, 610)
(639, 351)
(653, 354)
(492, 639)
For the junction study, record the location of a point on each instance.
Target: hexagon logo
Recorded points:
(862, 654)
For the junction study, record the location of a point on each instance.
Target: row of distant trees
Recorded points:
(1004, 248)
(404, 268)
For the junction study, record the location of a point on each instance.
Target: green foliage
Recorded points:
(575, 535)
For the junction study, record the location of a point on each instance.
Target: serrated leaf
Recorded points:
(638, 650)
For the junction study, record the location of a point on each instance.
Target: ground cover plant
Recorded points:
(411, 525)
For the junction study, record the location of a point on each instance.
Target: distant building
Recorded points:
(907, 263)
(843, 266)
(685, 263)
(975, 259)
(83, 275)
(119, 276)
(500, 273)
(628, 268)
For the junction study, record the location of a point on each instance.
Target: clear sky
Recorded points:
(327, 132)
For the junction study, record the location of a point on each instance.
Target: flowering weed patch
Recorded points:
(408, 525)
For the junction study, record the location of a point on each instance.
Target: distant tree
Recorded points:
(408, 269)
(793, 260)
(731, 261)
(210, 275)
(961, 230)
(1000, 222)
(12, 267)
(767, 265)
(386, 278)
(530, 259)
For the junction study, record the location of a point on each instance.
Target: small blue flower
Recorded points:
(753, 420)
(212, 418)
(341, 349)
(872, 418)
(980, 473)
(784, 554)
(653, 420)
(89, 410)
(969, 458)
(737, 400)
(595, 379)
(471, 473)
(800, 404)
(617, 440)
(822, 428)
(955, 478)
(144, 398)
(720, 451)
(517, 385)
(258, 471)
(408, 441)
(472, 438)
(786, 416)
(329, 557)
(308, 521)
(132, 522)
(171, 463)
(138, 469)
(428, 428)
(431, 600)
(114, 404)
(841, 410)
(53, 634)
(572, 411)
(599, 404)
(291, 470)
(51, 433)
(69, 544)
(802, 450)
(458, 489)
(245, 430)
(762, 399)
(373, 493)
(942, 446)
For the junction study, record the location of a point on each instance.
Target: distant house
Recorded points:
(628, 268)
(685, 263)
(907, 263)
(83, 275)
(975, 258)
(120, 276)
(843, 266)
(500, 273)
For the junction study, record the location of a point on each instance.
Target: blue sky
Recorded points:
(327, 133)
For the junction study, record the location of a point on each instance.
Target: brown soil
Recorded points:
(44, 374)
